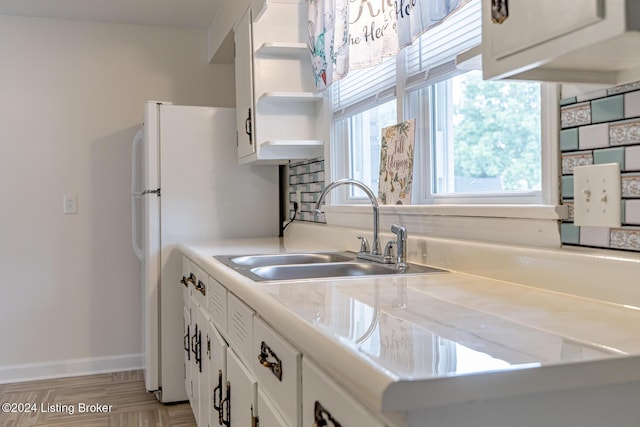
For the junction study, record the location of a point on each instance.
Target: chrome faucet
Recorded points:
(373, 253)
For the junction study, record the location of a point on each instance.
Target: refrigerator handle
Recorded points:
(137, 246)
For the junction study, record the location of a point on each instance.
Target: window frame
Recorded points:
(501, 218)
(422, 193)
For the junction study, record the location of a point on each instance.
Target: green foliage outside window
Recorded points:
(496, 127)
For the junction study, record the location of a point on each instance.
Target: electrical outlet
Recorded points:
(298, 197)
(70, 204)
(596, 195)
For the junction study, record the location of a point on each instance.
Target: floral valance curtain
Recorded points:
(351, 34)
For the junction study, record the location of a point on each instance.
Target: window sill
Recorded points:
(512, 224)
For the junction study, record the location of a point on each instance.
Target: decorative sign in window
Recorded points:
(396, 163)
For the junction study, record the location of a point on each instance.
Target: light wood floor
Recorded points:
(131, 405)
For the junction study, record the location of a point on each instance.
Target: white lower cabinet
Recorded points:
(217, 374)
(240, 327)
(325, 403)
(196, 360)
(240, 405)
(187, 348)
(268, 415)
(240, 372)
(277, 367)
(204, 366)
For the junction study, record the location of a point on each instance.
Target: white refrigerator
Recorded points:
(187, 186)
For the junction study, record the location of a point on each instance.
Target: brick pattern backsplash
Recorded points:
(603, 127)
(307, 177)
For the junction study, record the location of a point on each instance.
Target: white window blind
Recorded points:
(364, 88)
(431, 58)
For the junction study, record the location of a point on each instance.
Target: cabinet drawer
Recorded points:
(199, 288)
(240, 328)
(281, 381)
(323, 397)
(186, 270)
(217, 296)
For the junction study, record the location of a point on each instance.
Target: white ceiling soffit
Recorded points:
(174, 13)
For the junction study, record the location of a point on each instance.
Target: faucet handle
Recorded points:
(364, 245)
(388, 249)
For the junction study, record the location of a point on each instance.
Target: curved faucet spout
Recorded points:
(375, 247)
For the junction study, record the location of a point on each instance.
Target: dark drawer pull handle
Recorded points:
(276, 366)
(200, 286)
(322, 417)
(217, 397)
(193, 340)
(226, 407)
(186, 344)
(183, 281)
(247, 125)
(199, 350)
(191, 278)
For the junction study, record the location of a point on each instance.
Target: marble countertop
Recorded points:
(409, 342)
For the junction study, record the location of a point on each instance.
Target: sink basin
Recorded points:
(337, 269)
(280, 259)
(314, 265)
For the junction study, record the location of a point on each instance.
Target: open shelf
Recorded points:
(292, 149)
(283, 49)
(290, 96)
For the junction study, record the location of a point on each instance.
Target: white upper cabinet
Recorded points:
(279, 111)
(581, 41)
(244, 90)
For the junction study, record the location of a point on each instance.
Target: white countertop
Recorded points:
(408, 342)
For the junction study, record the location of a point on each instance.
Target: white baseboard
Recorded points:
(69, 368)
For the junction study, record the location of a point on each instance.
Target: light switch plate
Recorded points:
(70, 204)
(596, 194)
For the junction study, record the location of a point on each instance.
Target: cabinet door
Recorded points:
(268, 415)
(217, 374)
(245, 111)
(240, 405)
(195, 342)
(204, 350)
(530, 23)
(187, 351)
(324, 402)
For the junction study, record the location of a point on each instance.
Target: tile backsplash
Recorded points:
(596, 127)
(603, 127)
(307, 177)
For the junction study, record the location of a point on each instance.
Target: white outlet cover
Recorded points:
(70, 204)
(596, 195)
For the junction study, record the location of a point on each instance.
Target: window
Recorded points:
(483, 139)
(476, 141)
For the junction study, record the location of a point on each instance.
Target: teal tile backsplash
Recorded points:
(569, 139)
(597, 128)
(609, 155)
(607, 109)
(570, 234)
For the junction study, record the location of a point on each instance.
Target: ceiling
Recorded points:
(175, 13)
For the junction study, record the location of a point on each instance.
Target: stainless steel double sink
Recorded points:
(314, 265)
